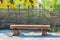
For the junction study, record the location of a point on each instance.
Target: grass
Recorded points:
(58, 30)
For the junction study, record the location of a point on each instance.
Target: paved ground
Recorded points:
(28, 35)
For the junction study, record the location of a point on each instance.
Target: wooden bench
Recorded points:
(43, 28)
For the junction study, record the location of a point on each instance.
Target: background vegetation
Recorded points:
(29, 12)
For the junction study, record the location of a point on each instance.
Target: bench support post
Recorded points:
(44, 32)
(15, 32)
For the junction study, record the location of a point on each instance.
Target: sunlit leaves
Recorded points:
(51, 4)
(4, 4)
(46, 4)
(57, 4)
(15, 3)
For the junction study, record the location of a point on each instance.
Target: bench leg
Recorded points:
(15, 32)
(44, 33)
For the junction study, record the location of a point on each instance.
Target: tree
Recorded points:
(11, 1)
(1, 1)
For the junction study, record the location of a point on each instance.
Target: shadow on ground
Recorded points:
(50, 35)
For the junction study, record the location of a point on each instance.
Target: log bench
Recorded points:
(43, 28)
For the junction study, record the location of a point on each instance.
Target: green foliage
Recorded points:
(57, 4)
(51, 4)
(45, 15)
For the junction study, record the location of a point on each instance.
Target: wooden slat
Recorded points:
(47, 27)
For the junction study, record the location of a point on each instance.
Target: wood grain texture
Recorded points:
(47, 27)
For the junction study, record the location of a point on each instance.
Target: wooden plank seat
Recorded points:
(43, 28)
